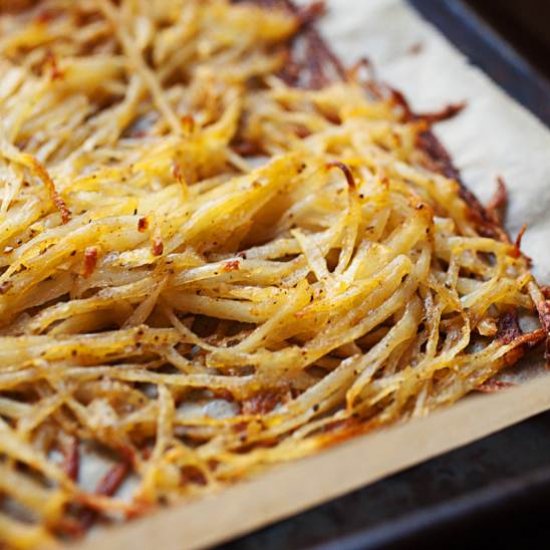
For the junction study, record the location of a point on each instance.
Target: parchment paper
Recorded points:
(494, 136)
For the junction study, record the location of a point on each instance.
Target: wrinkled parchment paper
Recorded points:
(493, 136)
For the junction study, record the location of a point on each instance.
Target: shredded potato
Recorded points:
(220, 250)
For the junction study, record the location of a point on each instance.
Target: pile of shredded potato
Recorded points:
(220, 250)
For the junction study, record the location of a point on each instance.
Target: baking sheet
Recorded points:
(494, 136)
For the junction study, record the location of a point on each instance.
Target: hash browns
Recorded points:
(221, 250)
